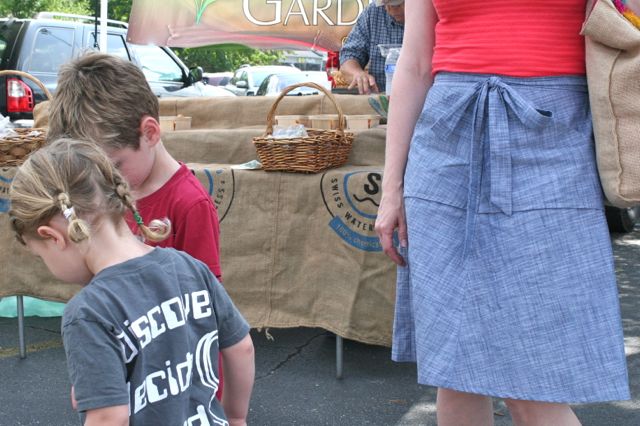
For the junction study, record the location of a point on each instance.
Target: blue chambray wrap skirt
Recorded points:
(510, 288)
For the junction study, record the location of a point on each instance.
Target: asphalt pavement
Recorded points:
(296, 380)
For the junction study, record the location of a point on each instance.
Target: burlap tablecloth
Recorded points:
(296, 249)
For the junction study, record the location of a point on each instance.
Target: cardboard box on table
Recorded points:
(296, 249)
(242, 111)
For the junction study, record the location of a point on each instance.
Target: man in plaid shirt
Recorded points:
(381, 22)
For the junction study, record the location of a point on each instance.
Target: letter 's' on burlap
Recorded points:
(613, 73)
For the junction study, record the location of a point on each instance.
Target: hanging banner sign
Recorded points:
(321, 24)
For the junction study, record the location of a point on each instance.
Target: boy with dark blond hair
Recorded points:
(107, 100)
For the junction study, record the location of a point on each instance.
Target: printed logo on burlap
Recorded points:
(353, 200)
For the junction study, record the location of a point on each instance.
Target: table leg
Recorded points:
(21, 342)
(339, 356)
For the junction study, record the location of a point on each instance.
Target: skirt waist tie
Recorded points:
(492, 101)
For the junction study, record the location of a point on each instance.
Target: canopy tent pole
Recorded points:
(103, 25)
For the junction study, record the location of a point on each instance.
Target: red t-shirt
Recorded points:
(515, 38)
(194, 219)
(195, 228)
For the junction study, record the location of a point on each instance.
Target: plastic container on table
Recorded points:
(175, 122)
(324, 121)
(292, 120)
(359, 122)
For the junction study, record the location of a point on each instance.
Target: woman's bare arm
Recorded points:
(411, 81)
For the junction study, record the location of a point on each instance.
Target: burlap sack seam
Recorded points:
(616, 145)
(274, 251)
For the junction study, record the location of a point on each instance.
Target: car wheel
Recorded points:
(622, 219)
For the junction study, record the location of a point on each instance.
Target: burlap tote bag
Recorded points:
(613, 75)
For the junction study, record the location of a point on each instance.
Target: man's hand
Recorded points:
(359, 77)
(365, 83)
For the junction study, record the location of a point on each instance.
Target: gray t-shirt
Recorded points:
(147, 333)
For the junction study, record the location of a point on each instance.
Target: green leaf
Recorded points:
(384, 102)
(201, 7)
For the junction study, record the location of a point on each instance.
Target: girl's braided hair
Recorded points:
(77, 179)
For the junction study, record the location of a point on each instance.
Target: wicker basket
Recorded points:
(14, 149)
(320, 150)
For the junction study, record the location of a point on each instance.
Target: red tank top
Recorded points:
(516, 38)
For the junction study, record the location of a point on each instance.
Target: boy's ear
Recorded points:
(47, 232)
(150, 130)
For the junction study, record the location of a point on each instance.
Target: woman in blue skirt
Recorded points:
(507, 286)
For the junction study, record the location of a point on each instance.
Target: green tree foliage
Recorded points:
(27, 8)
(120, 9)
(227, 57)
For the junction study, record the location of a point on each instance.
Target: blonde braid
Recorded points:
(157, 230)
(78, 229)
(77, 179)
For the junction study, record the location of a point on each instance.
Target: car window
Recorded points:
(259, 76)
(269, 85)
(52, 47)
(244, 76)
(115, 45)
(3, 49)
(156, 64)
(273, 84)
(285, 80)
(261, 73)
(8, 34)
(236, 77)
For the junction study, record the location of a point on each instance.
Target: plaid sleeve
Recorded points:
(357, 44)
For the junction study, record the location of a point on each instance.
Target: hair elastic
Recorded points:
(68, 212)
(138, 218)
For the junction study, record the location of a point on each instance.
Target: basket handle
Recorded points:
(272, 112)
(30, 77)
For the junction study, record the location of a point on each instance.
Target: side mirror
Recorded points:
(195, 74)
(242, 84)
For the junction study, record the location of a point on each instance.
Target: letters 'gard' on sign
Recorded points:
(273, 24)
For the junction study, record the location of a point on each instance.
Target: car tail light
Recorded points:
(19, 96)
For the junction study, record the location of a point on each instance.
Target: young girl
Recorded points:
(142, 337)
(490, 180)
